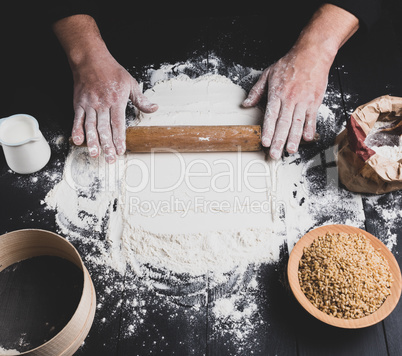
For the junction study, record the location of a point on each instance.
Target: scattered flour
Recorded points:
(166, 242)
(144, 250)
(177, 211)
(8, 352)
(180, 211)
(231, 315)
(389, 216)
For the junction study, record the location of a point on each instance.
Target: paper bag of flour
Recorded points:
(360, 168)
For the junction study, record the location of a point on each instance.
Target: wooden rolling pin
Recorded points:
(194, 138)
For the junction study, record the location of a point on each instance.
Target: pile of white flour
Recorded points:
(383, 143)
(210, 99)
(199, 219)
(394, 153)
(188, 213)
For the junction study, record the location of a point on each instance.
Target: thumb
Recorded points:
(256, 92)
(140, 100)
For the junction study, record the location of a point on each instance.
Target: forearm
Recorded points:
(80, 38)
(329, 28)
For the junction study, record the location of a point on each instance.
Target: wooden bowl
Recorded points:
(380, 314)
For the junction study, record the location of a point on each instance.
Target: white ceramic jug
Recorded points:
(25, 148)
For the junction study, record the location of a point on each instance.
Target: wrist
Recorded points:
(318, 49)
(91, 53)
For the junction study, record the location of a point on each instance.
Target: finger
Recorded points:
(296, 130)
(105, 135)
(140, 100)
(117, 114)
(310, 124)
(77, 133)
(91, 133)
(257, 91)
(270, 118)
(281, 131)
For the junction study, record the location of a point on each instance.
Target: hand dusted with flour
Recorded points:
(296, 83)
(100, 99)
(102, 88)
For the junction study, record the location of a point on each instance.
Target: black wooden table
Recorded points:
(367, 67)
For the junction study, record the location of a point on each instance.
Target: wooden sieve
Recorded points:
(20, 245)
